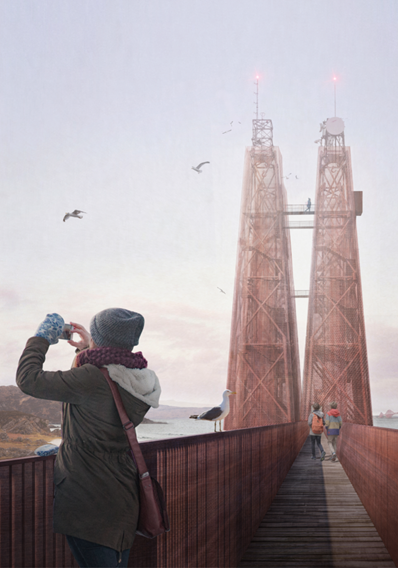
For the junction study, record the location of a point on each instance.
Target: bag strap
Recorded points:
(128, 427)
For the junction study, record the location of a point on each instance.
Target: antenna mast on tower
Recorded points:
(256, 93)
(334, 82)
(262, 129)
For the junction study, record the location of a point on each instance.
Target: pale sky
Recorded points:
(106, 104)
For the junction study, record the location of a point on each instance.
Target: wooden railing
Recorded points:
(369, 456)
(218, 488)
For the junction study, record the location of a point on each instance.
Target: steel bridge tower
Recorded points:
(336, 365)
(264, 360)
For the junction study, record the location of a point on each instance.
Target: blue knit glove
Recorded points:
(51, 328)
(47, 450)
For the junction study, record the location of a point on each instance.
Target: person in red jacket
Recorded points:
(333, 423)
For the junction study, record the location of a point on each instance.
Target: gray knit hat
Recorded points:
(116, 327)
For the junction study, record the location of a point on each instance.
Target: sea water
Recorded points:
(386, 422)
(175, 428)
(172, 428)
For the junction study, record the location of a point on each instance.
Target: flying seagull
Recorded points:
(297, 177)
(217, 413)
(230, 130)
(221, 290)
(197, 169)
(75, 213)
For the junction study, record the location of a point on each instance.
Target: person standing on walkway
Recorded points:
(316, 423)
(333, 423)
(96, 502)
(308, 204)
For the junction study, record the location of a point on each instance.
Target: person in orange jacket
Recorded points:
(316, 421)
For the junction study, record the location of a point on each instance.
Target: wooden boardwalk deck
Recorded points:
(316, 519)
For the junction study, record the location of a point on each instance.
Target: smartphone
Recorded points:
(67, 332)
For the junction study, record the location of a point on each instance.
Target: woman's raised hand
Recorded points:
(84, 336)
(51, 328)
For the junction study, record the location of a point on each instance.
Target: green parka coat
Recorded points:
(96, 483)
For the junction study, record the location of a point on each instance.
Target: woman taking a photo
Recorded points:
(96, 484)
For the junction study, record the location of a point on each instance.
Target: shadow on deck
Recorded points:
(316, 519)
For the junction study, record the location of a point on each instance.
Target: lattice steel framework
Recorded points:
(264, 361)
(336, 366)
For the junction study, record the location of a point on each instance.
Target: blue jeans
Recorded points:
(316, 439)
(91, 555)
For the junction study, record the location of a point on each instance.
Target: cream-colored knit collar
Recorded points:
(141, 383)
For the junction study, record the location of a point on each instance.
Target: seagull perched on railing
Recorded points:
(75, 213)
(197, 169)
(217, 413)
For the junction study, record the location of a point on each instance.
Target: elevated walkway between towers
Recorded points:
(219, 488)
(300, 209)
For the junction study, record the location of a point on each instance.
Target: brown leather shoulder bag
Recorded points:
(153, 519)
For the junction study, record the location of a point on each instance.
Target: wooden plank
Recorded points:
(27, 514)
(5, 517)
(38, 527)
(316, 519)
(16, 515)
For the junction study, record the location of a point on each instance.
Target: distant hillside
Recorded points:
(14, 425)
(15, 422)
(11, 398)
